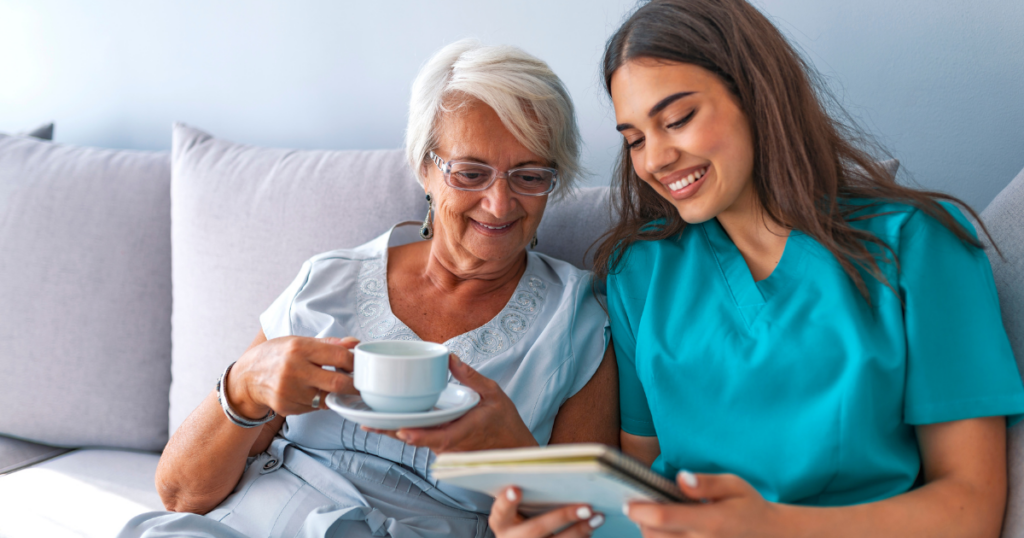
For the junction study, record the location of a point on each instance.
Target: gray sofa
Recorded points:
(97, 245)
(128, 280)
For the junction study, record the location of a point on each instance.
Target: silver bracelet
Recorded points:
(235, 418)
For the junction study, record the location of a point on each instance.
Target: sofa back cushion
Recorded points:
(244, 219)
(85, 294)
(1005, 223)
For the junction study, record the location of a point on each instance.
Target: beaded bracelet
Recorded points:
(235, 418)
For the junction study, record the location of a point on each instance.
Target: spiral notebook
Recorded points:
(557, 475)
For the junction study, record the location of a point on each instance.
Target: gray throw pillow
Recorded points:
(891, 165)
(85, 290)
(244, 219)
(1003, 217)
(571, 226)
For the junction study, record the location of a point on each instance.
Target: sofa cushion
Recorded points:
(244, 219)
(85, 290)
(571, 226)
(892, 166)
(16, 454)
(90, 493)
(1003, 217)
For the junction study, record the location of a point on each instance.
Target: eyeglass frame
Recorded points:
(446, 170)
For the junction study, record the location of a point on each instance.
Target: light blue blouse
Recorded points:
(796, 383)
(324, 476)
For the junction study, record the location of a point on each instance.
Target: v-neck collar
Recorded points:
(748, 295)
(493, 337)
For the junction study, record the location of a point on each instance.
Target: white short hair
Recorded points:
(528, 97)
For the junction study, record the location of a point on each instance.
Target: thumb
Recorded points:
(504, 511)
(466, 375)
(346, 342)
(711, 487)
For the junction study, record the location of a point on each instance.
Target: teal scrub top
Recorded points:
(796, 383)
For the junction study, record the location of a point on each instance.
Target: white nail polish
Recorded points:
(583, 512)
(510, 494)
(688, 478)
(625, 509)
(596, 521)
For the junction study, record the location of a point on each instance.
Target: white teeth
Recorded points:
(494, 227)
(688, 180)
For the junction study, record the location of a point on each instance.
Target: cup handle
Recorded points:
(334, 369)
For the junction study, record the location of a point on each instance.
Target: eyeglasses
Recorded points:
(467, 176)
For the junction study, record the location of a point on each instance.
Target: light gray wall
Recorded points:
(939, 81)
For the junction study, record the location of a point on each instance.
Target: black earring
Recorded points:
(533, 243)
(427, 230)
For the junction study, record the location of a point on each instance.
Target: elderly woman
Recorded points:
(491, 137)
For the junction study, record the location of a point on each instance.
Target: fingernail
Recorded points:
(583, 512)
(510, 494)
(688, 478)
(625, 509)
(596, 521)
(400, 434)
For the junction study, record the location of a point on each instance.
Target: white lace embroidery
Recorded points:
(493, 338)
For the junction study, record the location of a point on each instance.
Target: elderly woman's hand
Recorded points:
(575, 521)
(286, 374)
(493, 423)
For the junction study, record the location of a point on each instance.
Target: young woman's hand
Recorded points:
(493, 423)
(575, 521)
(730, 507)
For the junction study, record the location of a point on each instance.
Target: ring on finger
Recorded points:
(316, 400)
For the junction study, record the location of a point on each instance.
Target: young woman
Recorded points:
(811, 348)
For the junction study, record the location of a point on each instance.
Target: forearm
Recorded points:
(203, 460)
(643, 449)
(942, 508)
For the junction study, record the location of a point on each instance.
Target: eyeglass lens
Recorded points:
(472, 176)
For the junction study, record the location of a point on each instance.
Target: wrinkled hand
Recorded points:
(730, 507)
(493, 423)
(577, 520)
(284, 374)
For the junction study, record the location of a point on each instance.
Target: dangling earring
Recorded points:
(533, 243)
(427, 230)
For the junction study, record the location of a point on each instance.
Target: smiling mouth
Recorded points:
(495, 227)
(688, 180)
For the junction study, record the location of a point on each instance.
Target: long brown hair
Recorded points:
(808, 164)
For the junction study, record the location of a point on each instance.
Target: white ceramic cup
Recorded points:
(400, 376)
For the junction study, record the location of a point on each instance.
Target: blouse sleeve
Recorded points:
(276, 321)
(959, 361)
(635, 414)
(589, 334)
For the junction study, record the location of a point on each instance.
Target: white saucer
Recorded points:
(454, 402)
